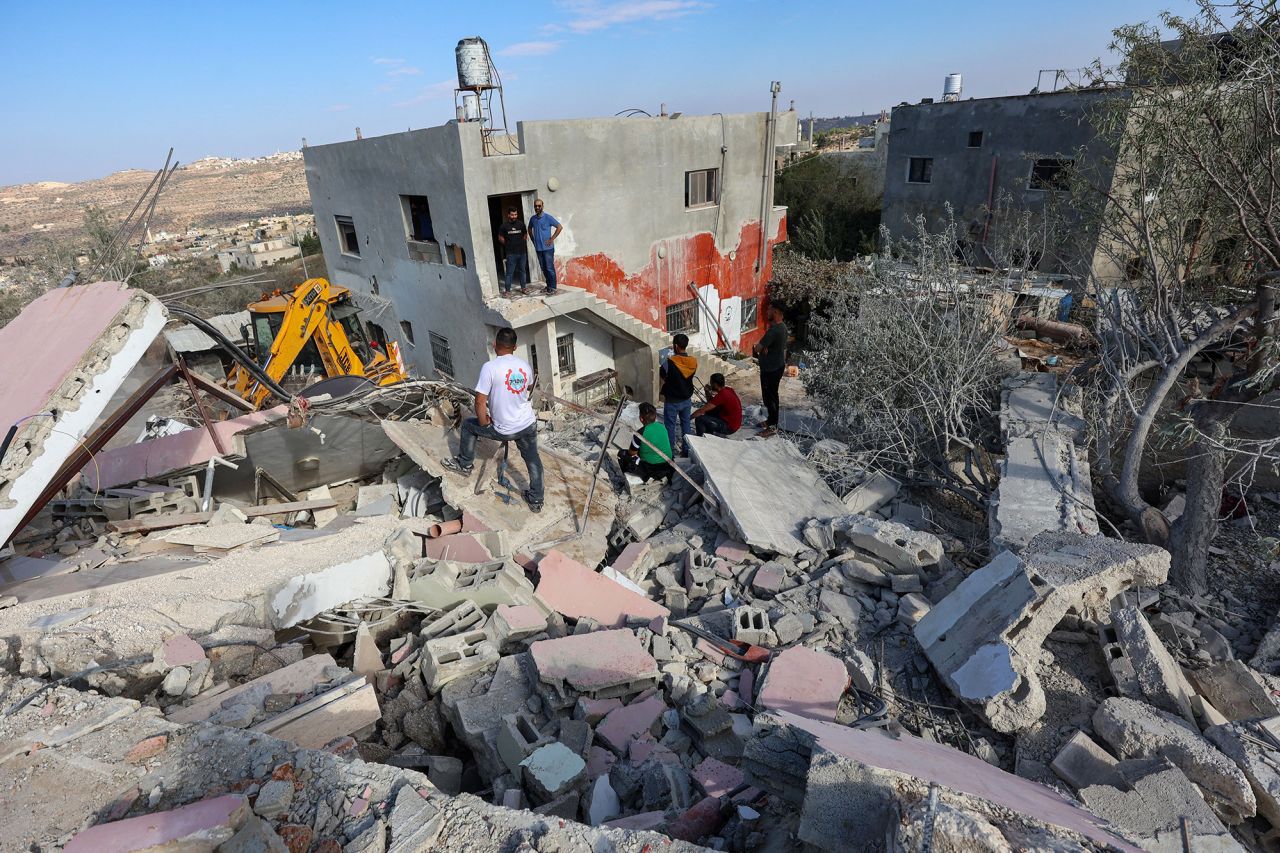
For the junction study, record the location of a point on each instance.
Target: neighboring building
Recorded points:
(650, 206)
(971, 153)
(867, 160)
(253, 256)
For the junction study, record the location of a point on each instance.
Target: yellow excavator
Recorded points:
(316, 329)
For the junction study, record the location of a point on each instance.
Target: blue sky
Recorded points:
(96, 87)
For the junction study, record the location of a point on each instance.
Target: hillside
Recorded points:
(211, 191)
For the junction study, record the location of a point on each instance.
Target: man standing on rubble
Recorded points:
(504, 413)
(543, 230)
(722, 414)
(772, 353)
(677, 372)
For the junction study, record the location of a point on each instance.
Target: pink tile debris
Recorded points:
(595, 661)
(710, 652)
(459, 547)
(575, 591)
(768, 578)
(626, 724)
(594, 710)
(634, 560)
(522, 617)
(181, 650)
(163, 828)
(646, 747)
(599, 762)
(734, 552)
(805, 682)
(471, 524)
(746, 686)
(731, 701)
(147, 748)
(639, 822)
(717, 778)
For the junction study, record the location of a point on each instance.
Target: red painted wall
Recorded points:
(646, 293)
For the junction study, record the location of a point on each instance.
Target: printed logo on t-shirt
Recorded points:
(516, 381)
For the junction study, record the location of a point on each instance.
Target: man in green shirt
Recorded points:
(640, 458)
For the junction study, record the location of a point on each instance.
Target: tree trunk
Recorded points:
(1206, 472)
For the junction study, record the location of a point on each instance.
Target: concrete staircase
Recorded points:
(575, 299)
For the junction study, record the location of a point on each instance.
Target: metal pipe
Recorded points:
(604, 451)
(766, 193)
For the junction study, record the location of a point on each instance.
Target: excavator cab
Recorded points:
(311, 334)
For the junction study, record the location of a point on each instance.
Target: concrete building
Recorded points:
(971, 154)
(667, 227)
(253, 256)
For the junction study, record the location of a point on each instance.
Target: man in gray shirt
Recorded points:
(772, 353)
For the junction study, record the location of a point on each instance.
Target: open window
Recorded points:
(920, 170)
(419, 232)
(1049, 174)
(348, 239)
(975, 139)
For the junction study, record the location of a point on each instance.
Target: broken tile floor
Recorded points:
(349, 649)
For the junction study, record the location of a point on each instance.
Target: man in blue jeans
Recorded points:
(504, 413)
(677, 372)
(543, 230)
(512, 237)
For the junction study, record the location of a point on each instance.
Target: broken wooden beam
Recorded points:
(147, 524)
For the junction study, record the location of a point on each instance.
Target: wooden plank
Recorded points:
(149, 523)
(300, 677)
(340, 717)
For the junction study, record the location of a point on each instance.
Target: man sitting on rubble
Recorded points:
(504, 413)
(640, 458)
(722, 414)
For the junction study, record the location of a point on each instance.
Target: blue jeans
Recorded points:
(547, 262)
(515, 265)
(526, 442)
(678, 412)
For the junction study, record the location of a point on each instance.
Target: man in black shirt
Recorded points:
(512, 237)
(772, 352)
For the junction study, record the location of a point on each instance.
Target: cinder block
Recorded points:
(459, 618)
(517, 738)
(635, 561)
(750, 625)
(699, 571)
(447, 658)
(445, 583)
(514, 622)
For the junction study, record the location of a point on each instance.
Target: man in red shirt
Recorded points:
(722, 415)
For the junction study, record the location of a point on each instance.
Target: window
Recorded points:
(564, 355)
(1134, 268)
(750, 313)
(683, 316)
(406, 329)
(975, 139)
(920, 170)
(701, 187)
(1049, 174)
(348, 240)
(417, 217)
(440, 353)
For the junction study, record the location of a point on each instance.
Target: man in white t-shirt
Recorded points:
(504, 413)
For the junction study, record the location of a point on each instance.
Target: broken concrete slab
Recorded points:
(1081, 763)
(335, 579)
(551, 770)
(767, 491)
(601, 664)
(1135, 730)
(622, 726)
(1044, 476)
(77, 346)
(872, 493)
(1233, 689)
(573, 590)
(223, 537)
(985, 638)
(201, 825)
(1154, 805)
(858, 773)
(1241, 742)
(1142, 667)
(904, 549)
(804, 682)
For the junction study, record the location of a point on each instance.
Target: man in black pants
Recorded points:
(772, 353)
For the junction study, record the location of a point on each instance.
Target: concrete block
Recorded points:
(514, 622)
(575, 591)
(552, 770)
(594, 710)
(768, 579)
(475, 719)
(906, 550)
(487, 585)
(600, 664)
(805, 682)
(635, 561)
(874, 492)
(1081, 763)
(1135, 729)
(904, 584)
(274, 798)
(913, 607)
(750, 625)
(788, 629)
(447, 658)
(577, 735)
(985, 638)
(459, 618)
(843, 607)
(518, 737)
(860, 570)
(1141, 666)
(1152, 806)
(1260, 764)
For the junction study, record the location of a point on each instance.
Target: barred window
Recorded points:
(683, 317)
(750, 313)
(564, 355)
(441, 355)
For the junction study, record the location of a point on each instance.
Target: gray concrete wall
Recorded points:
(1016, 131)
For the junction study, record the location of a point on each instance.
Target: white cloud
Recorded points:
(403, 71)
(382, 60)
(434, 92)
(592, 15)
(530, 48)
(337, 108)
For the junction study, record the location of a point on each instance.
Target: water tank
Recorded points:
(950, 88)
(474, 71)
(470, 107)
